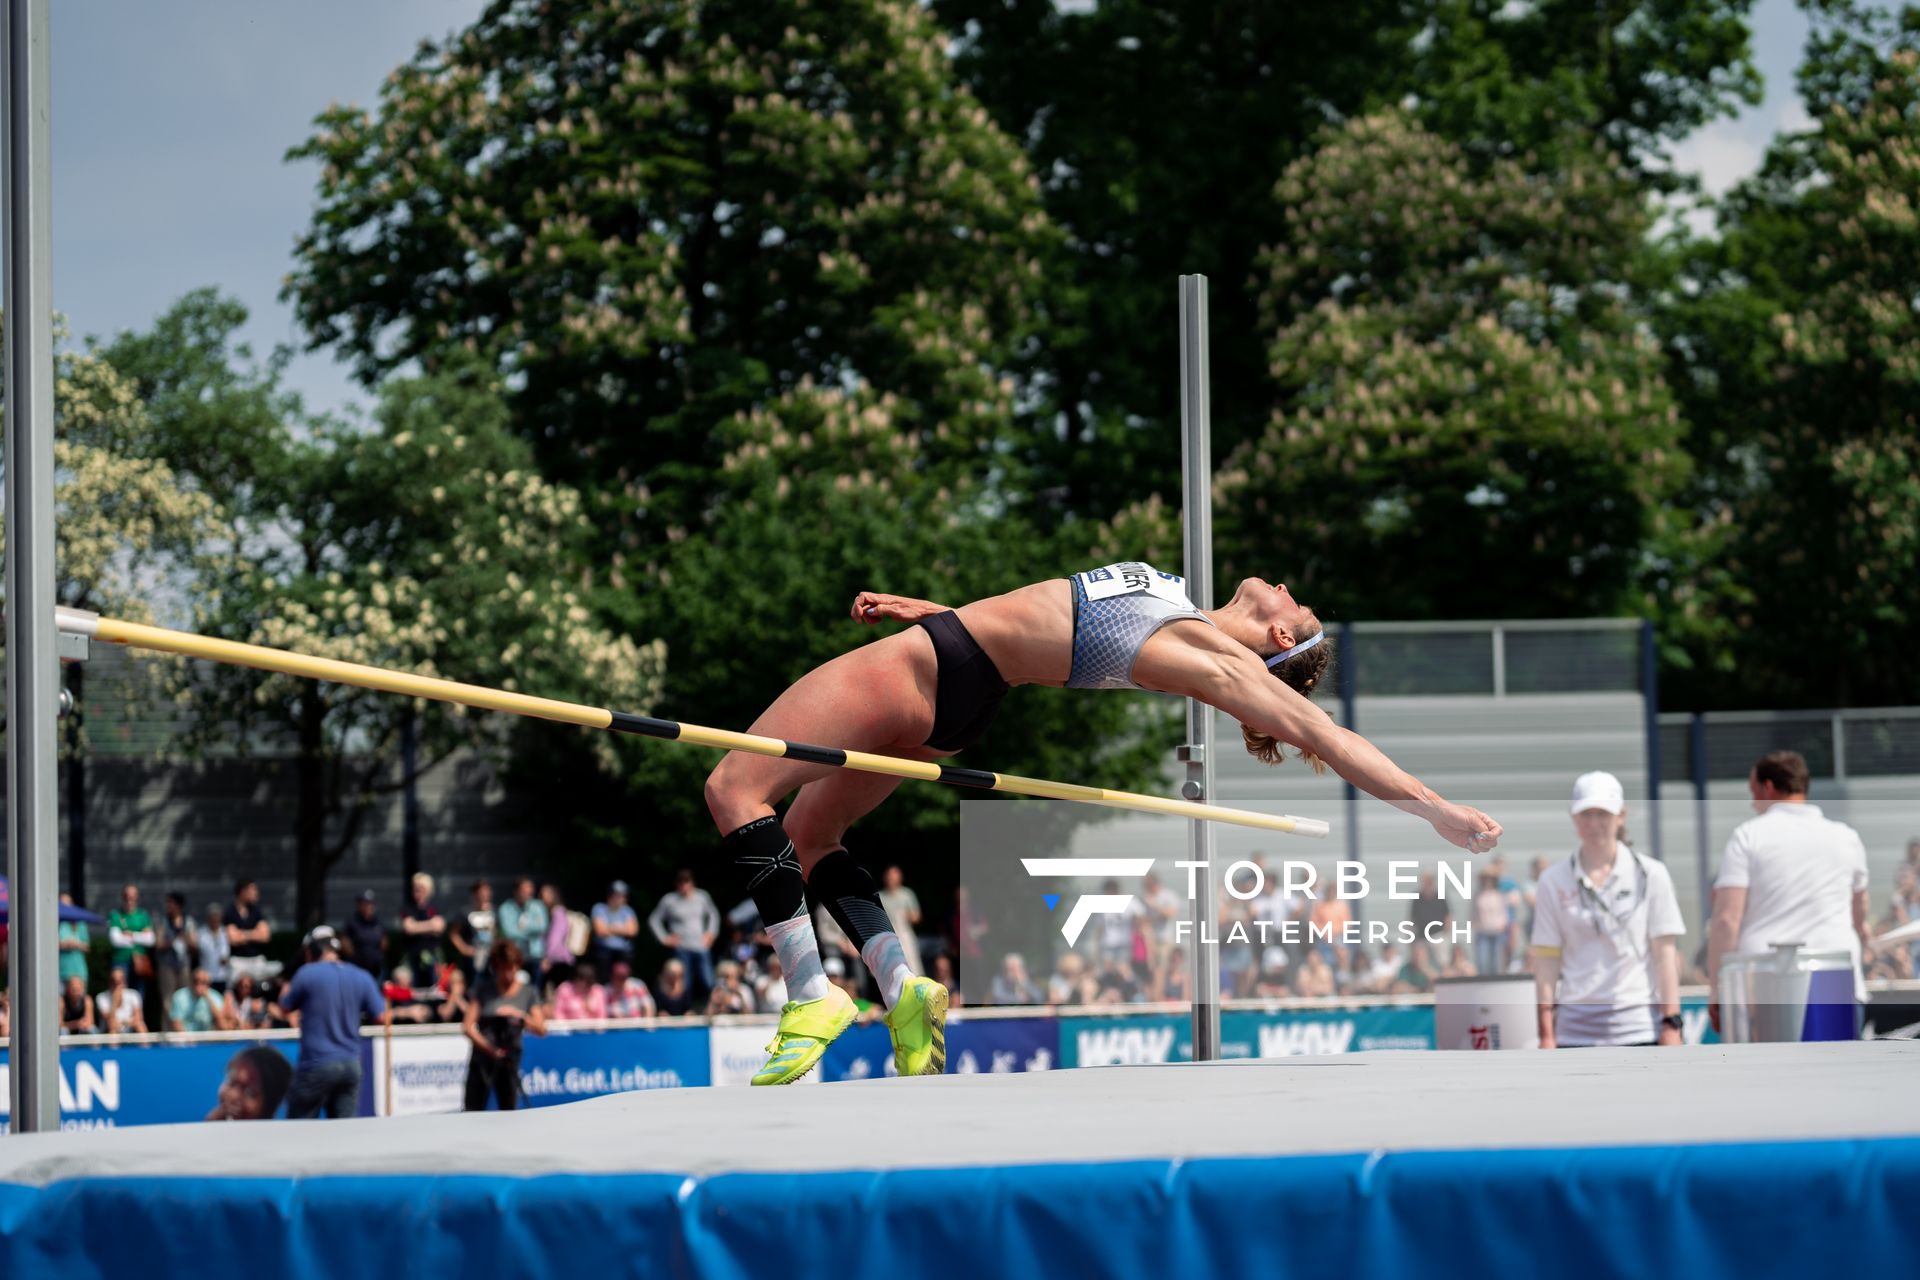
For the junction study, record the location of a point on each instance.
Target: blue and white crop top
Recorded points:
(1115, 609)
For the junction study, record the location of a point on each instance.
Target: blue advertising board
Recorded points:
(107, 1086)
(974, 1045)
(574, 1064)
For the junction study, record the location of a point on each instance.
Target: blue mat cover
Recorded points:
(1848, 1208)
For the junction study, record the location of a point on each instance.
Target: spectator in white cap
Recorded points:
(1789, 875)
(1606, 924)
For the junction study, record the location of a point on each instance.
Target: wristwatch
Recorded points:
(1675, 1021)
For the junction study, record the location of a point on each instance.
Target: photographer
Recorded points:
(506, 1004)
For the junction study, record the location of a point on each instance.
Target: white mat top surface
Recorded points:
(1376, 1101)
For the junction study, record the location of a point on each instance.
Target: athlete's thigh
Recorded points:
(868, 700)
(826, 807)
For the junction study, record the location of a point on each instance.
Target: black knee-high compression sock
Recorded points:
(771, 871)
(769, 868)
(844, 888)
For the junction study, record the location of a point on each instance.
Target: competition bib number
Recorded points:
(1131, 577)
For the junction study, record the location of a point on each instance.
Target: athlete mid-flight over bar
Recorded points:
(931, 690)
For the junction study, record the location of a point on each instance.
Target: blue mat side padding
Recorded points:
(1746, 1210)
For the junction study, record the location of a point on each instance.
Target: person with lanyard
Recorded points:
(506, 1005)
(1606, 925)
(933, 688)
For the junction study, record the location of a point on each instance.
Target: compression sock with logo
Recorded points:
(771, 870)
(845, 889)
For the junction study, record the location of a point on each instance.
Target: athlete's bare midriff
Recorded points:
(1027, 632)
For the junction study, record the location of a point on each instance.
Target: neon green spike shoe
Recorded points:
(805, 1032)
(918, 1025)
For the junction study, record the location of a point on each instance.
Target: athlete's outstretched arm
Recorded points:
(1238, 683)
(873, 606)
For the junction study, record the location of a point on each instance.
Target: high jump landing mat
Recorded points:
(1748, 1161)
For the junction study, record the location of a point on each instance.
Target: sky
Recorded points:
(171, 121)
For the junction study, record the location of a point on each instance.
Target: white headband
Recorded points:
(1302, 647)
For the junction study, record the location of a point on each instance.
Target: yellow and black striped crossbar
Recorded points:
(137, 635)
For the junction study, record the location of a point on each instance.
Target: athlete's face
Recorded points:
(1272, 605)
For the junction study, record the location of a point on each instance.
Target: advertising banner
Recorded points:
(974, 1045)
(569, 1065)
(429, 1074)
(112, 1085)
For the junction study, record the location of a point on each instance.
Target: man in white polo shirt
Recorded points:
(1789, 875)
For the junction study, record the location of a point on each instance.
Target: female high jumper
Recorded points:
(931, 690)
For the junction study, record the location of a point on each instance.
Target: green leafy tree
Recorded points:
(1469, 400)
(427, 543)
(1798, 352)
(649, 216)
(1158, 126)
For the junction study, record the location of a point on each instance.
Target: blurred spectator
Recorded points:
(1530, 896)
(1012, 985)
(130, 930)
(366, 935)
(1119, 983)
(257, 1079)
(1175, 977)
(1492, 918)
(964, 930)
(730, 992)
(1160, 907)
(615, 926)
(580, 998)
(523, 922)
(686, 922)
(459, 999)
(945, 974)
(76, 1011)
(403, 999)
(1069, 971)
(211, 948)
(771, 986)
(1313, 976)
(627, 996)
(506, 1004)
(75, 942)
(1116, 931)
(1459, 965)
(1385, 970)
(473, 933)
(835, 945)
(557, 952)
(249, 1007)
(670, 993)
(421, 928)
(1418, 973)
(1431, 916)
(1789, 874)
(1328, 921)
(173, 955)
(1272, 983)
(248, 933)
(902, 906)
(6, 1015)
(1237, 958)
(120, 1006)
(331, 998)
(840, 974)
(198, 1007)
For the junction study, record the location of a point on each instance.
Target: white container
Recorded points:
(1486, 1013)
(1787, 995)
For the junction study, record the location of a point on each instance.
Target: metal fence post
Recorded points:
(1196, 454)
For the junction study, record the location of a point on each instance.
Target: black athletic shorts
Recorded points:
(968, 693)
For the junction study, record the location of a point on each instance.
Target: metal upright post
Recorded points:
(1697, 759)
(1196, 466)
(1650, 702)
(33, 685)
(1346, 660)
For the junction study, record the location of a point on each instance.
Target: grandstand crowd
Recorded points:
(180, 970)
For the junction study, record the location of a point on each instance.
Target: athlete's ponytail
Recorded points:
(1303, 673)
